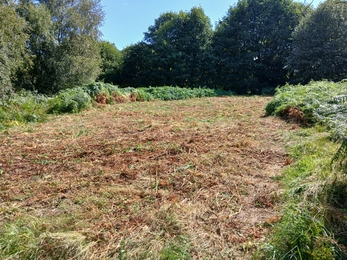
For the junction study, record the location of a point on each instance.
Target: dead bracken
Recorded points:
(134, 178)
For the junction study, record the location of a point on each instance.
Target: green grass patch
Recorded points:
(30, 238)
(313, 212)
(307, 230)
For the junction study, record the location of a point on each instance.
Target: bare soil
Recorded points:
(197, 177)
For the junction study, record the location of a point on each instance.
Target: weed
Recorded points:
(177, 249)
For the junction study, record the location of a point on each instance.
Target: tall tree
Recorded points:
(12, 45)
(178, 41)
(320, 44)
(111, 59)
(251, 44)
(63, 43)
(137, 67)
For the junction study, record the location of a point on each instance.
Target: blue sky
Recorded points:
(127, 20)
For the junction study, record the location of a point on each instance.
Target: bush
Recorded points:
(177, 93)
(95, 89)
(322, 102)
(22, 107)
(70, 101)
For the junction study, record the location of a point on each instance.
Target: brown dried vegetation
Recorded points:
(294, 115)
(136, 176)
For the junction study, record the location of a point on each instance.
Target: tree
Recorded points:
(137, 67)
(12, 45)
(320, 44)
(63, 43)
(111, 59)
(251, 44)
(178, 41)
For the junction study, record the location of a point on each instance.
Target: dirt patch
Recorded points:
(140, 177)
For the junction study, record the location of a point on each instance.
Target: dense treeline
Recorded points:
(48, 45)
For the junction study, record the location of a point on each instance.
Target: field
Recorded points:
(192, 179)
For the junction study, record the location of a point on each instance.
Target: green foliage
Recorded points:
(25, 106)
(63, 46)
(178, 249)
(306, 230)
(320, 44)
(340, 158)
(174, 52)
(321, 102)
(137, 65)
(28, 238)
(22, 107)
(250, 48)
(20, 240)
(302, 236)
(70, 101)
(12, 46)
(177, 93)
(111, 59)
(140, 95)
(96, 88)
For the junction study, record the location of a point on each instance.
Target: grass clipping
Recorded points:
(171, 180)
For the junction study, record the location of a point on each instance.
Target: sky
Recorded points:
(127, 20)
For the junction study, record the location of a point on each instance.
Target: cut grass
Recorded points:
(153, 180)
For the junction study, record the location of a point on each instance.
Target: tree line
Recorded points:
(50, 45)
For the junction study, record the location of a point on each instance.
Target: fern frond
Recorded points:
(340, 158)
(339, 99)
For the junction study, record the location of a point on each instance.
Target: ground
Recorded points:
(145, 180)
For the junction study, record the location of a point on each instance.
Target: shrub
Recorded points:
(177, 93)
(140, 95)
(22, 107)
(70, 101)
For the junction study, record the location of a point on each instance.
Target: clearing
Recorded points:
(194, 178)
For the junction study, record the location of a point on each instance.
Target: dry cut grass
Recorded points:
(185, 179)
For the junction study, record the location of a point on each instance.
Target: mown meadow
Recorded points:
(101, 172)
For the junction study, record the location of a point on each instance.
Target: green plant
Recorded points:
(177, 93)
(29, 238)
(306, 230)
(70, 101)
(177, 249)
(23, 107)
(322, 103)
(96, 88)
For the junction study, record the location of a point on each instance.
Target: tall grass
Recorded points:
(312, 220)
(306, 230)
